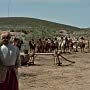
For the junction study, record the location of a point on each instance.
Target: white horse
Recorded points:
(64, 45)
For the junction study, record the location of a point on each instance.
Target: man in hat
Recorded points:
(9, 63)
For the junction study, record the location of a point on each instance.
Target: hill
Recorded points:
(35, 27)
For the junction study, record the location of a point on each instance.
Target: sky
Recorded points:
(70, 12)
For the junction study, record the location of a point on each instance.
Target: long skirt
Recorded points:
(11, 82)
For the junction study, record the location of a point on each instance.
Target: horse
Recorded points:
(82, 46)
(64, 45)
(32, 45)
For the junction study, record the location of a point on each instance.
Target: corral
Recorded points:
(29, 58)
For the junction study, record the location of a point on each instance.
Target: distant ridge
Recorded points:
(36, 28)
(32, 22)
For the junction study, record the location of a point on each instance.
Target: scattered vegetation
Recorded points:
(35, 28)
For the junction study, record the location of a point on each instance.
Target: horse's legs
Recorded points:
(81, 49)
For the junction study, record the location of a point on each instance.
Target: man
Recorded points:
(56, 44)
(32, 45)
(9, 63)
(17, 43)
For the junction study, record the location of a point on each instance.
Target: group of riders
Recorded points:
(64, 44)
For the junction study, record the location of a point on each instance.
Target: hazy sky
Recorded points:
(70, 12)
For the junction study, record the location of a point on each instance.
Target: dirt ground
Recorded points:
(44, 75)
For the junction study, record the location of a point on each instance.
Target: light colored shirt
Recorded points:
(9, 54)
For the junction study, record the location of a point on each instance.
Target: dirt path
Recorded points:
(44, 75)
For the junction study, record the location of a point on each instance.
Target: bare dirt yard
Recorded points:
(44, 75)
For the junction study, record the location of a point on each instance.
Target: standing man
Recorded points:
(17, 43)
(9, 63)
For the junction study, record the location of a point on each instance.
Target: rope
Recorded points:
(9, 3)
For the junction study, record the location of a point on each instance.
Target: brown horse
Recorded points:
(82, 46)
(32, 45)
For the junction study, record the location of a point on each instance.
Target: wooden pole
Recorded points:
(67, 59)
